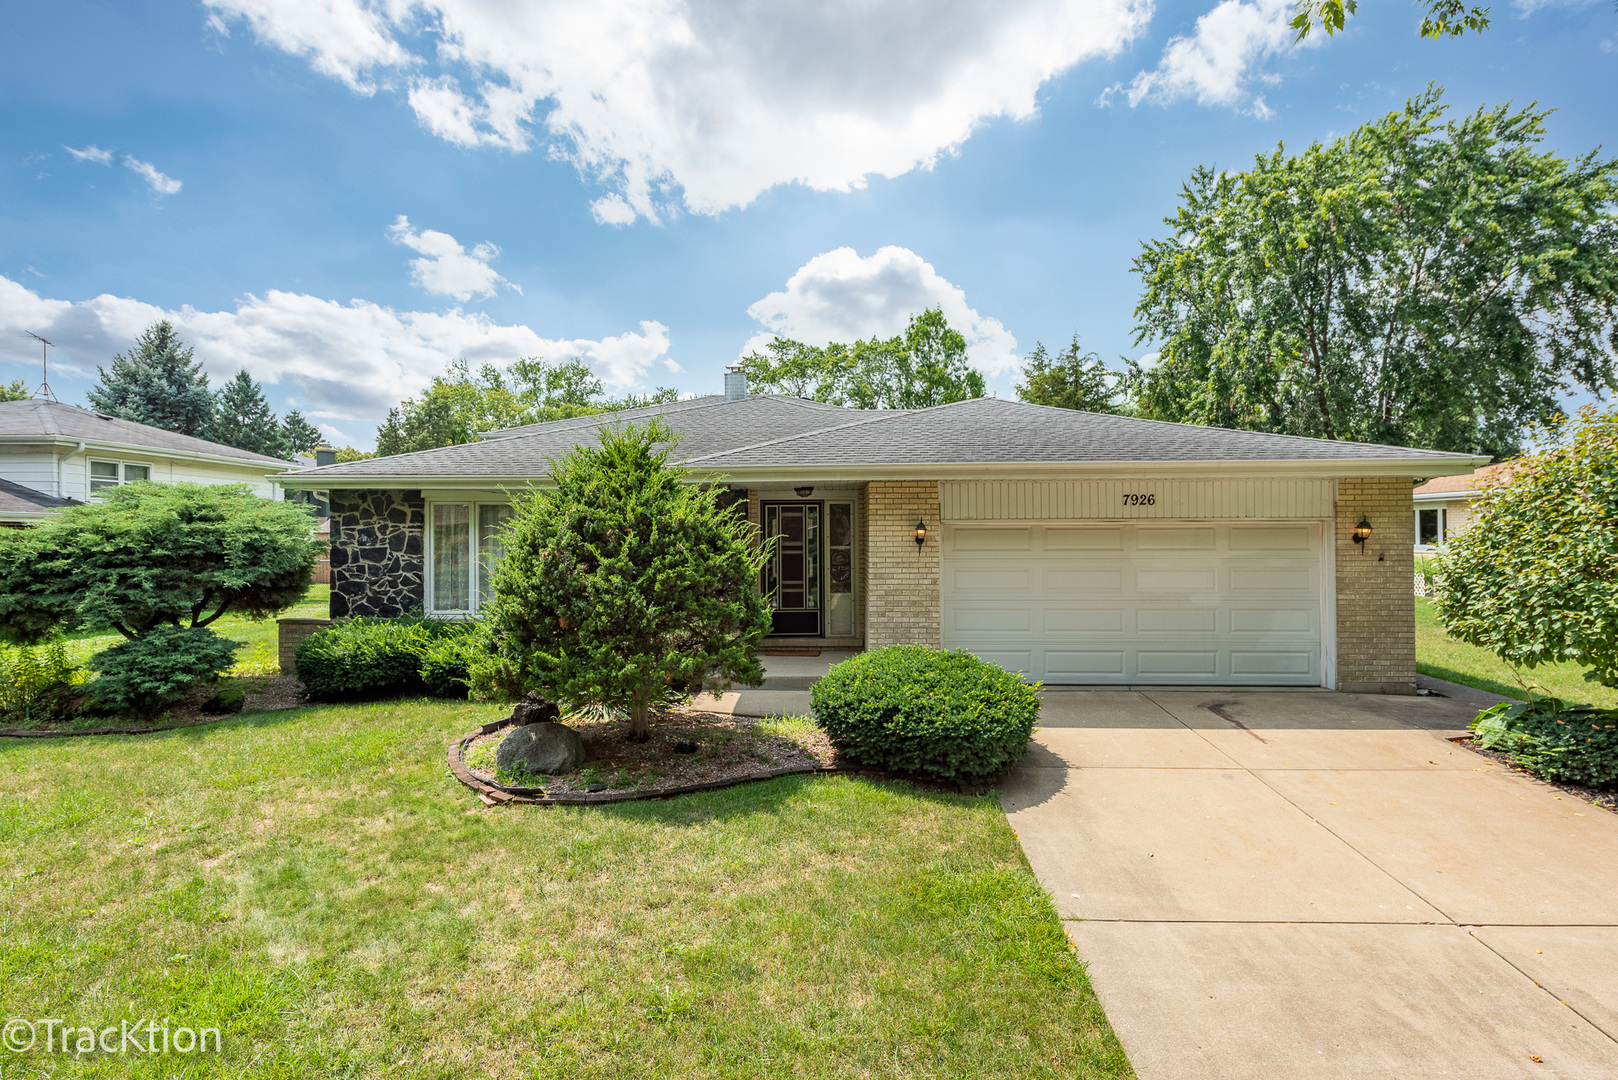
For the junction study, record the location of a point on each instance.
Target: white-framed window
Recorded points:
(1430, 526)
(107, 474)
(463, 544)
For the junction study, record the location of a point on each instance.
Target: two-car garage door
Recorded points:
(1127, 602)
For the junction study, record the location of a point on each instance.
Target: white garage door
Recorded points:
(1115, 602)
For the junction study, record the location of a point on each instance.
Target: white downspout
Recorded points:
(62, 461)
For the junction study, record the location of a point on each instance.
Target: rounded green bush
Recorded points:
(918, 710)
(157, 669)
(376, 658)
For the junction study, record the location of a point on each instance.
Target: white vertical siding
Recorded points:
(1103, 500)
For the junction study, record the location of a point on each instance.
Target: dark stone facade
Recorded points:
(378, 564)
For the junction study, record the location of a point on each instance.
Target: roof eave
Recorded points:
(143, 448)
(1410, 467)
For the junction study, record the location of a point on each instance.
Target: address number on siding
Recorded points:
(1134, 499)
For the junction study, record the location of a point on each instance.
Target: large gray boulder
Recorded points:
(543, 749)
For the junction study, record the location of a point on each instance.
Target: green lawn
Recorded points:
(1441, 656)
(260, 654)
(317, 886)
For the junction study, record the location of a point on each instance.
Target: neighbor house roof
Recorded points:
(34, 420)
(766, 436)
(24, 503)
(1466, 483)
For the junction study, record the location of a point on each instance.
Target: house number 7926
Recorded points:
(1134, 499)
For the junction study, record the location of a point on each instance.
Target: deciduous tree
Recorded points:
(924, 366)
(1417, 282)
(623, 585)
(1073, 379)
(1534, 576)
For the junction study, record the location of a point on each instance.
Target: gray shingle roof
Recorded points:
(705, 425)
(46, 419)
(765, 430)
(992, 431)
(17, 499)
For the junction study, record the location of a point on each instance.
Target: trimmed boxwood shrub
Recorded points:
(918, 710)
(376, 658)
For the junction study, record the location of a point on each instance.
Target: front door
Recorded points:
(792, 575)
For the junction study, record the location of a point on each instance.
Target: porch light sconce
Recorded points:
(1362, 532)
(921, 534)
(803, 492)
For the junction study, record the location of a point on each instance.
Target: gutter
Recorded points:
(146, 450)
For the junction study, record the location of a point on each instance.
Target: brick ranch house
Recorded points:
(1075, 547)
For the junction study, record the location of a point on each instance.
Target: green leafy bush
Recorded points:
(156, 669)
(918, 710)
(376, 658)
(1575, 745)
(37, 685)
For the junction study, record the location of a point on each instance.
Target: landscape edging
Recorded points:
(497, 793)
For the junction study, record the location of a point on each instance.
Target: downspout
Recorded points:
(63, 460)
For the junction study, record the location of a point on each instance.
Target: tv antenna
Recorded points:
(44, 390)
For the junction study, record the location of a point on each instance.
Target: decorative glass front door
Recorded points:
(792, 577)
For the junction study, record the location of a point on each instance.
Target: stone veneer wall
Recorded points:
(1376, 608)
(378, 564)
(902, 599)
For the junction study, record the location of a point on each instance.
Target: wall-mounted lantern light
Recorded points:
(921, 533)
(1362, 532)
(803, 492)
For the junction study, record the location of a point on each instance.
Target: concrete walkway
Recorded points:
(1308, 884)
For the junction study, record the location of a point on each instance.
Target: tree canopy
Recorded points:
(1441, 18)
(1073, 379)
(243, 419)
(158, 382)
(299, 434)
(1534, 576)
(15, 391)
(623, 585)
(1420, 282)
(459, 405)
(150, 555)
(924, 366)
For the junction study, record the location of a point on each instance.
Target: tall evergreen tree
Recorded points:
(14, 391)
(242, 418)
(158, 382)
(1073, 379)
(301, 436)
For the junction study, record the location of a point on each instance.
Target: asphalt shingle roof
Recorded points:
(772, 430)
(46, 419)
(17, 499)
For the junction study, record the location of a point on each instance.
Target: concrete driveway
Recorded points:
(1310, 884)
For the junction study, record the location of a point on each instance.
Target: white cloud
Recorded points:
(704, 103)
(446, 268)
(91, 153)
(161, 184)
(838, 296)
(1215, 64)
(351, 361)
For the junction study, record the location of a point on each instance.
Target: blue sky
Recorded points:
(344, 196)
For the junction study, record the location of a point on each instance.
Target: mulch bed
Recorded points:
(1607, 799)
(729, 750)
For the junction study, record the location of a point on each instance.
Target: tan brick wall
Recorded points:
(290, 634)
(902, 605)
(1376, 611)
(1457, 516)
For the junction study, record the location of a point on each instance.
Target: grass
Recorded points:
(317, 886)
(1443, 657)
(260, 653)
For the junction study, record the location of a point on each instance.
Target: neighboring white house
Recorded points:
(1444, 504)
(53, 455)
